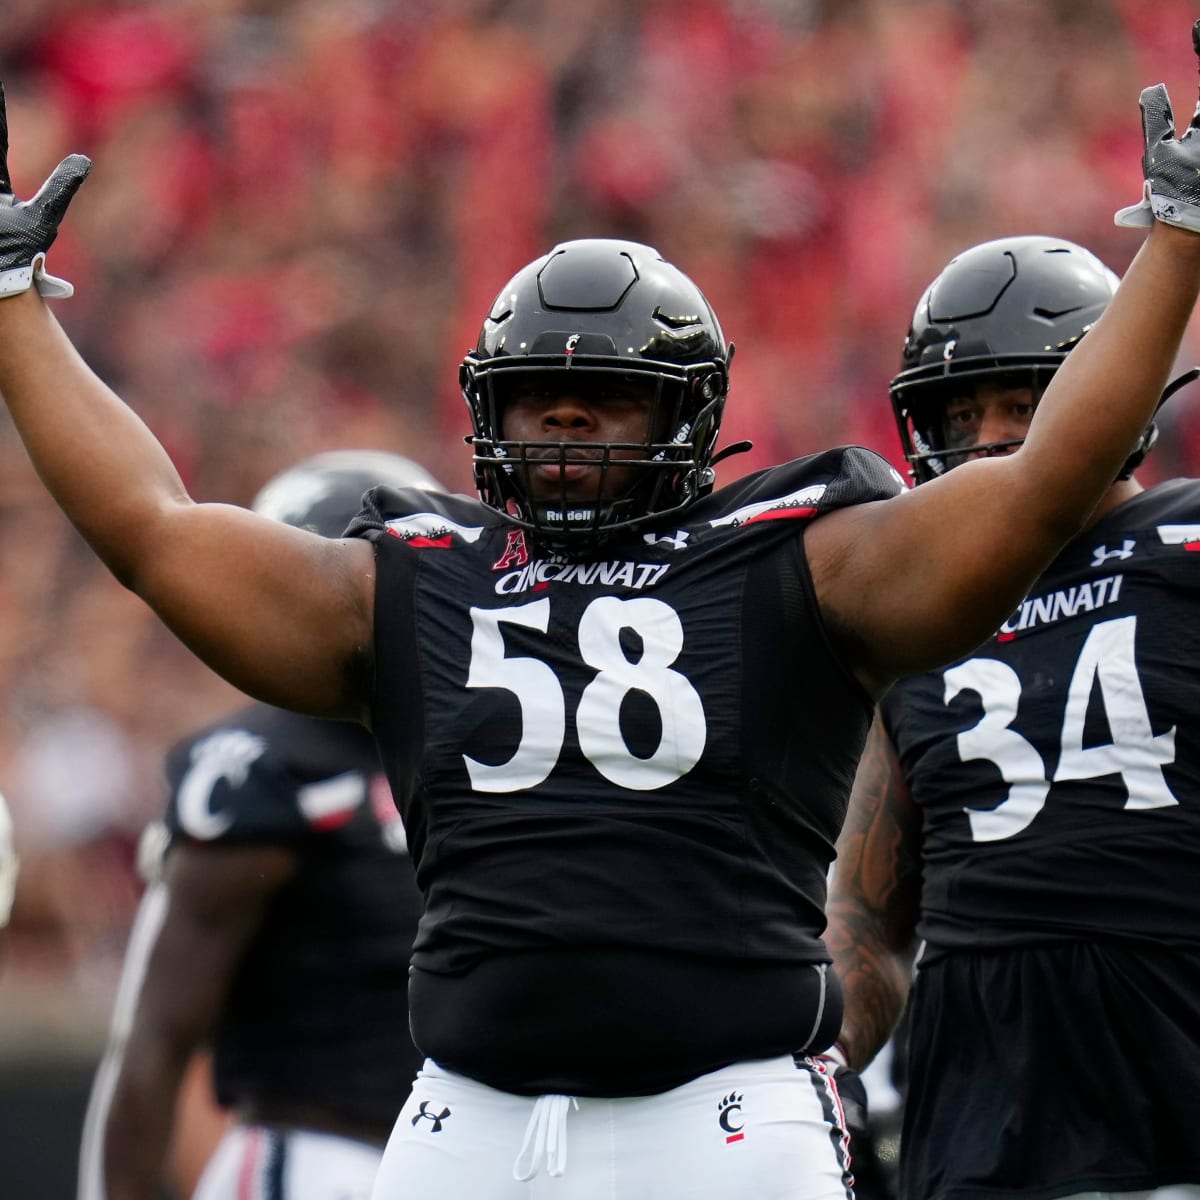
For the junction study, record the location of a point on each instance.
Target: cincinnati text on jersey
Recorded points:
(1059, 605)
(543, 571)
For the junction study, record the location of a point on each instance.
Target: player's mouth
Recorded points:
(573, 461)
(556, 472)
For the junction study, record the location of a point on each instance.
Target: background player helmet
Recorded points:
(1010, 308)
(600, 308)
(324, 493)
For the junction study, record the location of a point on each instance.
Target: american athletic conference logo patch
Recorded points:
(516, 552)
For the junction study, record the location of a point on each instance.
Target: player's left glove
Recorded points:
(28, 227)
(1170, 165)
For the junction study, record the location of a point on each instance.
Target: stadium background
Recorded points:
(299, 212)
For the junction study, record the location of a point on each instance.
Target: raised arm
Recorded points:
(955, 556)
(282, 614)
(874, 901)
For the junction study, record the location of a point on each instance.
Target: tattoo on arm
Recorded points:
(875, 899)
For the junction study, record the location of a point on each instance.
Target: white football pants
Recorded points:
(766, 1130)
(252, 1162)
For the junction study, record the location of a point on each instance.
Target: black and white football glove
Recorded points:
(28, 227)
(851, 1090)
(1170, 165)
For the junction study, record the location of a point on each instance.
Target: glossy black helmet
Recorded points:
(1010, 308)
(595, 308)
(324, 493)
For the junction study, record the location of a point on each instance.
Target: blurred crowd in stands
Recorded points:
(300, 210)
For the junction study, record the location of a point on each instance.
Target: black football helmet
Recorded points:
(1013, 307)
(600, 308)
(324, 493)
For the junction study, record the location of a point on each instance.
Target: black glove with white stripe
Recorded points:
(1170, 165)
(850, 1088)
(28, 227)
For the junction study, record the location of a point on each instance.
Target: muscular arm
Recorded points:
(217, 896)
(910, 583)
(874, 901)
(282, 614)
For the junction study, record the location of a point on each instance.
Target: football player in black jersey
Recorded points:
(1029, 816)
(276, 929)
(620, 711)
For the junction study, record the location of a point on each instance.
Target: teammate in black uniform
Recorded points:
(620, 712)
(1031, 813)
(278, 926)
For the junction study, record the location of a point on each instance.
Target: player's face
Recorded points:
(992, 411)
(578, 413)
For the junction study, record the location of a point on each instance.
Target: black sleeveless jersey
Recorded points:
(1057, 769)
(643, 757)
(316, 1013)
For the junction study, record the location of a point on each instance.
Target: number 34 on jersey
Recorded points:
(1106, 665)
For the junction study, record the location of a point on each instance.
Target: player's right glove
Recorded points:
(1170, 165)
(851, 1090)
(28, 227)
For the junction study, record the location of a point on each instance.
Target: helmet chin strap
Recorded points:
(730, 450)
(1189, 376)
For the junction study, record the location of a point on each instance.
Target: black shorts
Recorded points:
(619, 1022)
(1052, 1070)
